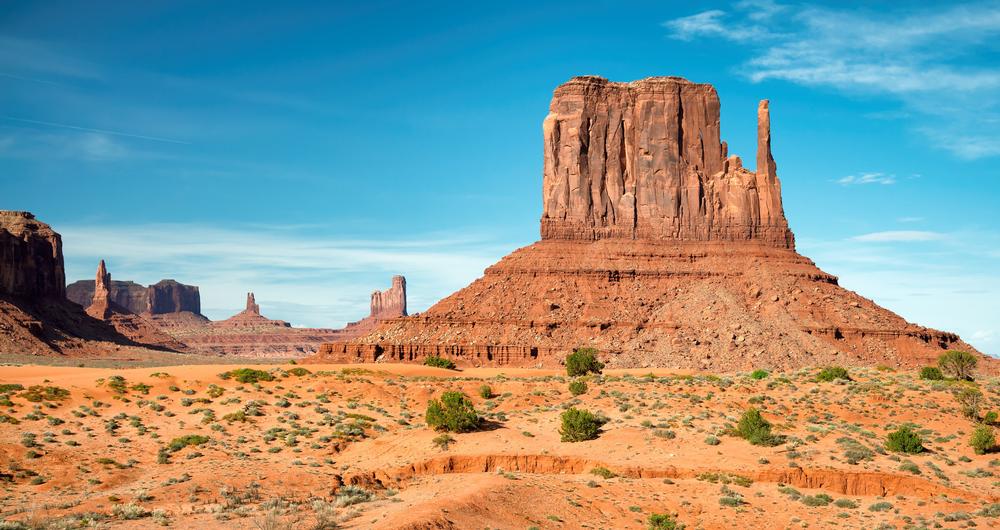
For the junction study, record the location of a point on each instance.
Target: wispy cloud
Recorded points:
(867, 178)
(94, 130)
(912, 54)
(301, 274)
(27, 58)
(899, 236)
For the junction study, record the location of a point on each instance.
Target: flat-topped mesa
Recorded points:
(390, 303)
(31, 254)
(644, 160)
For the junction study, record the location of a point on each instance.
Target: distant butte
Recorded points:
(659, 249)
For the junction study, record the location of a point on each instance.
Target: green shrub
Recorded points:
(663, 521)
(582, 362)
(452, 413)
(187, 440)
(603, 472)
(579, 425)
(830, 373)
(931, 373)
(439, 362)
(39, 393)
(880, 506)
(755, 429)
(442, 441)
(247, 375)
(759, 374)
(958, 364)
(983, 439)
(117, 384)
(485, 392)
(577, 387)
(970, 400)
(904, 440)
(298, 371)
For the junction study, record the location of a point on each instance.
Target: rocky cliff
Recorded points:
(31, 255)
(659, 249)
(644, 160)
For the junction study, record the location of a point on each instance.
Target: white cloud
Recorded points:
(867, 178)
(899, 236)
(913, 54)
(299, 274)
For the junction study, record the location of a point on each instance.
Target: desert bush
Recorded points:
(579, 425)
(215, 391)
(187, 440)
(39, 393)
(831, 373)
(247, 375)
(983, 439)
(129, 511)
(485, 392)
(453, 413)
(958, 364)
(970, 400)
(582, 362)
(442, 441)
(603, 472)
(663, 521)
(298, 371)
(990, 418)
(931, 373)
(439, 362)
(577, 387)
(753, 428)
(759, 374)
(904, 440)
(351, 495)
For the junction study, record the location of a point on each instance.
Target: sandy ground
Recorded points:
(347, 445)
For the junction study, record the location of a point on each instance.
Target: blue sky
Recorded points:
(308, 152)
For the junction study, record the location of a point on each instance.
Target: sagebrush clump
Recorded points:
(755, 429)
(904, 440)
(439, 362)
(831, 373)
(958, 364)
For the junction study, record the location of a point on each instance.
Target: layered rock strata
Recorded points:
(164, 301)
(659, 249)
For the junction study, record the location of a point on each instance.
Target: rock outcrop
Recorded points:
(659, 249)
(390, 303)
(100, 305)
(644, 160)
(31, 255)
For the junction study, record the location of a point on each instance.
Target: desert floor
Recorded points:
(346, 447)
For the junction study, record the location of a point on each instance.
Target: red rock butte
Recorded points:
(657, 248)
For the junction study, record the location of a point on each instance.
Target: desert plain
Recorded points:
(347, 446)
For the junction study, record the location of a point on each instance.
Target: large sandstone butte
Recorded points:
(35, 316)
(659, 249)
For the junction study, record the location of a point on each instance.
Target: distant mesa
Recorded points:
(659, 249)
(167, 302)
(251, 334)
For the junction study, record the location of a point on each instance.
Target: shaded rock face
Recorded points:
(390, 303)
(31, 257)
(644, 160)
(660, 250)
(162, 298)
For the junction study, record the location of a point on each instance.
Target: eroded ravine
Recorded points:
(855, 483)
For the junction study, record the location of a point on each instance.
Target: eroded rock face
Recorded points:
(644, 160)
(391, 302)
(31, 257)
